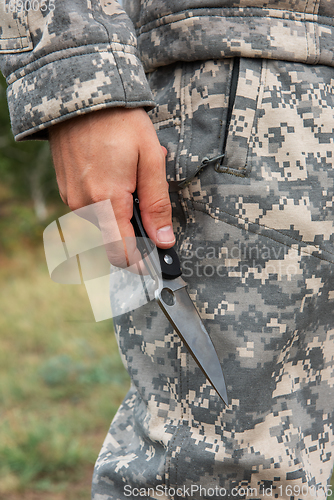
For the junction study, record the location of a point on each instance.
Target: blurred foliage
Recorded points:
(61, 382)
(28, 190)
(21, 162)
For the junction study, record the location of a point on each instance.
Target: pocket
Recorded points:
(240, 124)
(206, 110)
(14, 30)
(166, 116)
(285, 188)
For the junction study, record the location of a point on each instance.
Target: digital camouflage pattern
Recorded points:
(255, 234)
(69, 57)
(256, 241)
(14, 32)
(83, 58)
(188, 30)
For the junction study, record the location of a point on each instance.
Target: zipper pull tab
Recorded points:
(205, 162)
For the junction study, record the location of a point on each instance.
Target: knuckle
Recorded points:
(101, 194)
(75, 202)
(72, 205)
(97, 197)
(160, 207)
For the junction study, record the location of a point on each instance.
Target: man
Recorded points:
(247, 86)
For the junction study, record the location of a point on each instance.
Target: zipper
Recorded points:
(218, 160)
(231, 100)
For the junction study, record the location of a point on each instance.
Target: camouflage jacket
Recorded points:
(65, 57)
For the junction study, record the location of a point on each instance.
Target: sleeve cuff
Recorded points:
(74, 84)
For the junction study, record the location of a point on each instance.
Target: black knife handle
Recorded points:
(169, 260)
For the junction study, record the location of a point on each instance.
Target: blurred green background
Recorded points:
(61, 377)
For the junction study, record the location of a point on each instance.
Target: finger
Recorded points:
(152, 188)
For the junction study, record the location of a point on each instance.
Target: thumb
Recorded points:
(154, 202)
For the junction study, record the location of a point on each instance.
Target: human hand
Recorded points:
(106, 155)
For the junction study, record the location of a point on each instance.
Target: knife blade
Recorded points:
(173, 298)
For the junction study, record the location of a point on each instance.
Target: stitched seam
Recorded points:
(183, 201)
(179, 424)
(18, 29)
(190, 86)
(221, 135)
(256, 114)
(93, 50)
(302, 249)
(94, 106)
(306, 37)
(116, 61)
(225, 110)
(100, 23)
(242, 171)
(20, 37)
(316, 41)
(182, 420)
(101, 105)
(182, 118)
(172, 441)
(142, 31)
(177, 431)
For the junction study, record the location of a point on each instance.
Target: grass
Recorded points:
(61, 382)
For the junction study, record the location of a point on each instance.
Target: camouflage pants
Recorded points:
(256, 240)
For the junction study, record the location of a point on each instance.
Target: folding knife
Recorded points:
(173, 298)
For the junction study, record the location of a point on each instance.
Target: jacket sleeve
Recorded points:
(62, 58)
